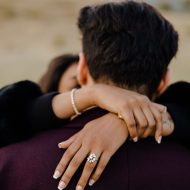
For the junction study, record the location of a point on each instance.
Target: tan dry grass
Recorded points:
(33, 32)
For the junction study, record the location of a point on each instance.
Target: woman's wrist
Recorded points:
(98, 91)
(83, 99)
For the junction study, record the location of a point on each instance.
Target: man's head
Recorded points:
(128, 44)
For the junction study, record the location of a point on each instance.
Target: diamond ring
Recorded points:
(92, 158)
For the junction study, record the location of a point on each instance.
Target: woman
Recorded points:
(61, 74)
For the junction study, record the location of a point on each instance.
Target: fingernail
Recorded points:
(61, 185)
(91, 182)
(79, 187)
(56, 174)
(59, 145)
(135, 139)
(159, 140)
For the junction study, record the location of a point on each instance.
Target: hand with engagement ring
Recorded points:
(94, 144)
(92, 158)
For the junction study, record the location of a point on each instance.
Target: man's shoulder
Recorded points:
(176, 93)
(85, 117)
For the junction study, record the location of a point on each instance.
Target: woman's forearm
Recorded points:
(83, 98)
(134, 108)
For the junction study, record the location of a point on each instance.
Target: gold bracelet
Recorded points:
(77, 112)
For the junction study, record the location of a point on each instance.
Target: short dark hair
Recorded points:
(50, 80)
(128, 43)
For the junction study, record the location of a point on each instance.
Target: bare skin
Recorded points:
(68, 79)
(94, 138)
(135, 109)
(149, 117)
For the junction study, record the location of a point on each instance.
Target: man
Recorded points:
(125, 44)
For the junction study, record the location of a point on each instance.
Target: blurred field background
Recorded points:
(32, 32)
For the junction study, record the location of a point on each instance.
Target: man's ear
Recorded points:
(164, 83)
(82, 70)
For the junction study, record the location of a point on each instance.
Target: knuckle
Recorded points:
(143, 124)
(133, 101)
(75, 163)
(86, 145)
(61, 166)
(90, 166)
(96, 175)
(68, 153)
(82, 181)
(143, 99)
(67, 176)
(101, 167)
(131, 124)
(145, 135)
(124, 107)
(152, 125)
(159, 129)
(159, 118)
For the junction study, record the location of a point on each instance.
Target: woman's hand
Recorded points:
(102, 137)
(141, 116)
(95, 138)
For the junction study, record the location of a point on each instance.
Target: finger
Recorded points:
(68, 142)
(67, 156)
(161, 108)
(100, 168)
(88, 169)
(73, 166)
(141, 120)
(158, 118)
(151, 122)
(131, 124)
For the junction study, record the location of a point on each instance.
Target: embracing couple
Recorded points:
(127, 48)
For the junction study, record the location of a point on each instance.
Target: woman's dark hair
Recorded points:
(50, 80)
(127, 43)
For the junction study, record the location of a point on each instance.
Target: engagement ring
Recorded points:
(92, 158)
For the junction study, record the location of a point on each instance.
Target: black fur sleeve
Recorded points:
(13, 101)
(178, 93)
(177, 100)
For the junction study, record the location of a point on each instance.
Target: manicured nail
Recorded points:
(135, 139)
(56, 174)
(61, 185)
(159, 140)
(60, 145)
(79, 187)
(91, 182)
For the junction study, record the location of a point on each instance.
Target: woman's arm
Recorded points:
(25, 109)
(139, 113)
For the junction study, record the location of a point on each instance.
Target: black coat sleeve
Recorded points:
(40, 115)
(25, 110)
(177, 100)
(13, 101)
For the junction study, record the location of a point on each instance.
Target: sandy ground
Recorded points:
(33, 32)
